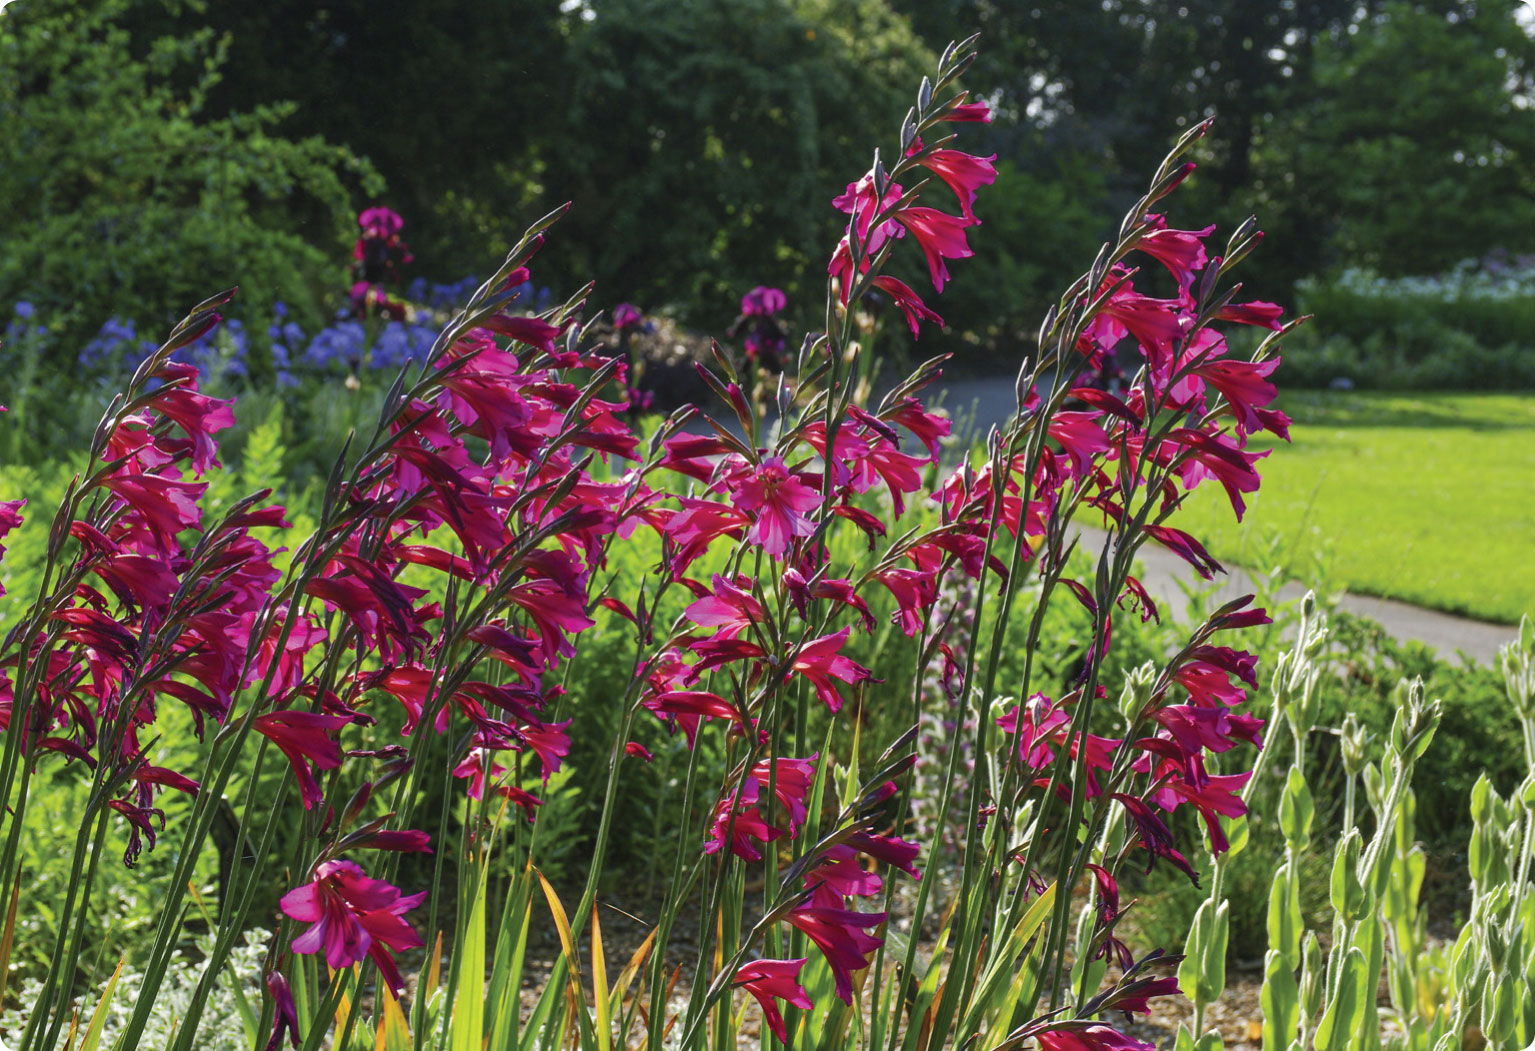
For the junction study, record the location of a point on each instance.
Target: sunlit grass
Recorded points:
(1428, 498)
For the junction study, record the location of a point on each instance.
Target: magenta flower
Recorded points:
(196, 414)
(821, 663)
(1182, 252)
(763, 301)
(964, 172)
(379, 221)
(285, 1017)
(730, 609)
(304, 738)
(1094, 1037)
(941, 236)
(780, 501)
(963, 112)
(1081, 437)
(353, 916)
(769, 980)
(910, 303)
(1245, 386)
(744, 826)
(626, 315)
(167, 505)
(1264, 315)
(838, 933)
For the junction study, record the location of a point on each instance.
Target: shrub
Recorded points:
(123, 200)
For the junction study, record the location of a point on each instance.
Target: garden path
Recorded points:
(1446, 634)
(979, 403)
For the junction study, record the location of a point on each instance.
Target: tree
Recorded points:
(1409, 174)
(121, 197)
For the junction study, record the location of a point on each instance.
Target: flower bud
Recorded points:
(1347, 893)
(1353, 738)
(1137, 692)
(1413, 728)
(1518, 664)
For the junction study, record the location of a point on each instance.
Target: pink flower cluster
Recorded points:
(480, 488)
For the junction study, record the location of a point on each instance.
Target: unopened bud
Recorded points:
(1413, 728)
(1136, 695)
(1353, 739)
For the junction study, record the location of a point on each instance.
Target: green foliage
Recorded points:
(726, 126)
(1410, 174)
(122, 197)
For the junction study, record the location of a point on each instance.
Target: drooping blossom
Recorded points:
(839, 934)
(941, 237)
(821, 661)
(305, 738)
(1095, 1037)
(769, 981)
(965, 174)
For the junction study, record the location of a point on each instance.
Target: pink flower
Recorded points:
(942, 236)
(821, 663)
(379, 221)
(304, 738)
(353, 916)
(781, 503)
(1082, 438)
(838, 933)
(729, 609)
(1181, 251)
(927, 427)
(768, 980)
(626, 315)
(910, 303)
(167, 505)
(763, 301)
(285, 1017)
(1264, 315)
(968, 112)
(1094, 1037)
(964, 172)
(1245, 385)
(196, 414)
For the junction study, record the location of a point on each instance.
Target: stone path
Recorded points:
(979, 403)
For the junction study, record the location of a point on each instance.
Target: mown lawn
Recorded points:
(1427, 498)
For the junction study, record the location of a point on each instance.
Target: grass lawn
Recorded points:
(1427, 498)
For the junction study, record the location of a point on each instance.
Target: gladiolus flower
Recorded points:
(353, 916)
(965, 173)
(942, 236)
(821, 663)
(304, 738)
(763, 301)
(285, 1018)
(1181, 251)
(968, 112)
(910, 303)
(1094, 1037)
(781, 503)
(839, 935)
(768, 980)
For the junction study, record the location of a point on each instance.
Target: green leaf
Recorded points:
(1284, 917)
(99, 1016)
(466, 1028)
(1280, 1000)
(1346, 1013)
(1295, 811)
